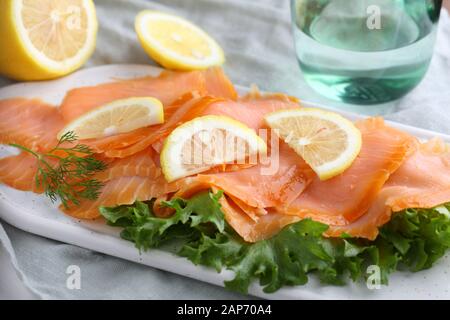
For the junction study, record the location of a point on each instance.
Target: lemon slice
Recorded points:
(47, 38)
(206, 142)
(117, 117)
(176, 43)
(328, 142)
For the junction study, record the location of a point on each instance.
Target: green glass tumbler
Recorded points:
(364, 51)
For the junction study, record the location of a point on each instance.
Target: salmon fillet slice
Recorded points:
(167, 87)
(263, 186)
(345, 198)
(136, 178)
(141, 164)
(121, 191)
(250, 230)
(19, 172)
(31, 123)
(251, 111)
(218, 84)
(424, 178)
(423, 181)
(253, 212)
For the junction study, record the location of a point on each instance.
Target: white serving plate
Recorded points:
(34, 213)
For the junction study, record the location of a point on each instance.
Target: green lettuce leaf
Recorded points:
(414, 239)
(189, 221)
(282, 260)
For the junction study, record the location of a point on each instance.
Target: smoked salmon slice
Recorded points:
(121, 191)
(141, 164)
(345, 198)
(263, 186)
(31, 123)
(423, 181)
(218, 84)
(424, 178)
(251, 110)
(19, 172)
(167, 87)
(136, 178)
(250, 230)
(253, 212)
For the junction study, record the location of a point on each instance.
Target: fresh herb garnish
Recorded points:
(413, 239)
(148, 231)
(65, 172)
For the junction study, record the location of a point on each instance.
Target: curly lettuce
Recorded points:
(414, 239)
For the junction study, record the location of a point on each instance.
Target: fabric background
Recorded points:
(256, 37)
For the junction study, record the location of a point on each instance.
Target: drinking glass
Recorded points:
(364, 51)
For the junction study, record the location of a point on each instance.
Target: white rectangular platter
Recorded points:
(34, 213)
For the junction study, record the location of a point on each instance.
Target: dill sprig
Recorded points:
(65, 173)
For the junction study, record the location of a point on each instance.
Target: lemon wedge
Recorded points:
(47, 38)
(116, 117)
(328, 142)
(176, 43)
(205, 142)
